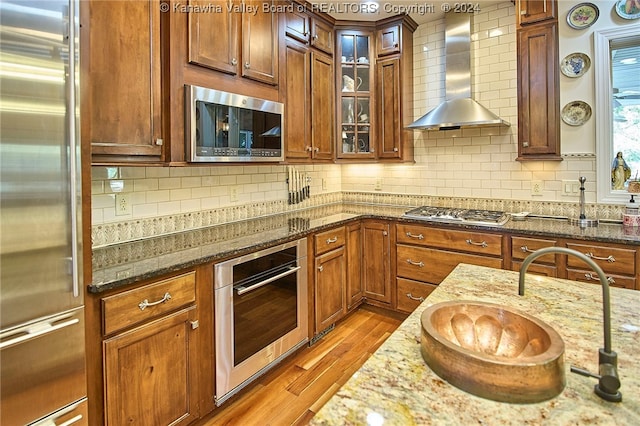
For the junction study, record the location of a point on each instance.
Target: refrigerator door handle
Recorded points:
(73, 148)
(31, 331)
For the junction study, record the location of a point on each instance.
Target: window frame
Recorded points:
(604, 111)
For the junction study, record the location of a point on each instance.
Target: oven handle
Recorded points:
(244, 290)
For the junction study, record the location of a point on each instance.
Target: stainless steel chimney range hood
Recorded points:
(458, 110)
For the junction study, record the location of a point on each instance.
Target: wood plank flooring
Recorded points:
(294, 391)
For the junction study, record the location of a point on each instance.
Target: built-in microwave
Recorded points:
(228, 127)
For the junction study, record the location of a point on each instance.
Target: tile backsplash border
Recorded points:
(136, 229)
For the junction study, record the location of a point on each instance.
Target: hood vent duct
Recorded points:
(458, 110)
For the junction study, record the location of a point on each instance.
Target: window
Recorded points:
(617, 99)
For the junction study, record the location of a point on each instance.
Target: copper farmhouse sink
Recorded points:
(493, 351)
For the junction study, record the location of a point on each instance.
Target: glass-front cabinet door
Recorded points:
(355, 85)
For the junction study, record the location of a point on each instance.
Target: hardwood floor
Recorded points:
(294, 391)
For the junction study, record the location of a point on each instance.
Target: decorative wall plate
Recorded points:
(576, 113)
(583, 15)
(628, 9)
(575, 64)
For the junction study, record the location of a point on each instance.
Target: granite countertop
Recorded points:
(126, 263)
(396, 387)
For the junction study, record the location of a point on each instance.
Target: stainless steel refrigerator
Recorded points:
(42, 358)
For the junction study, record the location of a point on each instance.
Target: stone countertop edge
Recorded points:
(396, 387)
(126, 263)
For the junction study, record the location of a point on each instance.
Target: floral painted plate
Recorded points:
(628, 9)
(576, 113)
(575, 64)
(583, 15)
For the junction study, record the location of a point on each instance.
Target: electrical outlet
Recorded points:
(233, 194)
(123, 204)
(378, 185)
(536, 187)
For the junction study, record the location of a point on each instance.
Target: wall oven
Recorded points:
(222, 126)
(261, 311)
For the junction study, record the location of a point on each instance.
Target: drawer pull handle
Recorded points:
(419, 264)
(332, 240)
(609, 258)
(419, 236)
(526, 249)
(419, 299)
(145, 303)
(473, 243)
(589, 276)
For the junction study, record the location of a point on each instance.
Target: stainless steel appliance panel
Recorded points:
(43, 367)
(260, 313)
(41, 300)
(39, 185)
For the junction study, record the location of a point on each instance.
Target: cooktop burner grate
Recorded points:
(453, 215)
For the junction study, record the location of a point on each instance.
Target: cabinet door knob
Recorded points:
(525, 144)
(315, 37)
(395, 149)
(234, 61)
(320, 268)
(195, 324)
(247, 65)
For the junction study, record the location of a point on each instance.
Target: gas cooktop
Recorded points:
(464, 216)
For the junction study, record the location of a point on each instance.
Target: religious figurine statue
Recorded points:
(620, 172)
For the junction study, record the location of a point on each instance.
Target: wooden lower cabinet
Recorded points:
(329, 277)
(521, 247)
(376, 269)
(355, 288)
(330, 287)
(150, 372)
(411, 294)
(433, 265)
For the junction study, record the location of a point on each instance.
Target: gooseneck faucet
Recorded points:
(608, 380)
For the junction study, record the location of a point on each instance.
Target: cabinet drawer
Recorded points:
(412, 293)
(329, 240)
(473, 242)
(610, 259)
(134, 306)
(537, 269)
(523, 247)
(432, 266)
(591, 277)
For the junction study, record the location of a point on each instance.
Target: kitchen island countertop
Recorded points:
(396, 387)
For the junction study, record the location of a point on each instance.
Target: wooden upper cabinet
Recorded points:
(213, 38)
(389, 114)
(538, 93)
(322, 36)
(260, 45)
(388, 40)
(532, 11)
(121, 63)
(322, 107)
(297, 86)
(236, 41)
(297, 25)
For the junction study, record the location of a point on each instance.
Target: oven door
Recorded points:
(261, 313)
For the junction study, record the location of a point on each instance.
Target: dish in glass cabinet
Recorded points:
(583, 15)
(628, 9)
(576, 113)
(575, 64)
